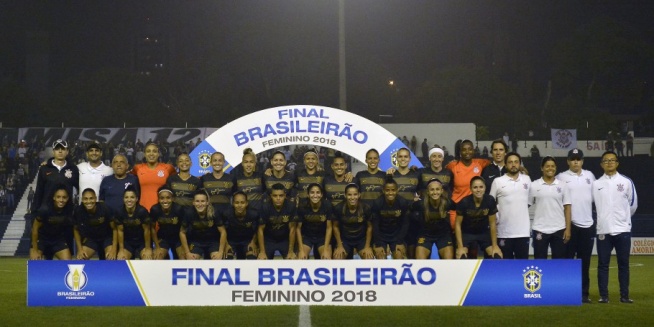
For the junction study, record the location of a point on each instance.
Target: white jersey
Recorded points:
(90, 177)
(581, 196)
(616, 201)
(512, 196)
(548, 201)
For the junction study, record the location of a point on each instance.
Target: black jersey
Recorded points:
(253, 186)
(335, 190)
(169, 223)
(277, 222)
(490, 173)
(240, 229)
(314, 222)
(427, 174)
(303, 179)
(183, 189)
(54, 224)
(352, 225)
(220, 190)
(370, 185)
(475, 219)
(407, 184)
(49, 176)
(200, 229)
(434, 224)
(133, 224)
(288, 180)
(390, 221)
(95, 225)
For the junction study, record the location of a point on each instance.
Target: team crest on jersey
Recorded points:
(204, 158)
(601, 237)
(502, 243)
(532, 278)
(476, 170)
(421, 240)
(588, 181)
(620, 187)
(285, 219)
(558, 190)
(525, 186)
(68, 173)
(161, 173)
(539, 236)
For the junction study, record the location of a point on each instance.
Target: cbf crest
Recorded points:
(532, 278)
(204, 159)
(394, 158)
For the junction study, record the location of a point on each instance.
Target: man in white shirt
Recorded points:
(511, 191)
(580, 183)
(616, 201)
(94, 170)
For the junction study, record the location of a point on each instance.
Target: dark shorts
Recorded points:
(411, 237)
(239, 249)
(170, 244)
(276, 246)
(97, 244)
(204, 249)
(134, 248)
(313, 242)
(349, 246)
(442, 241)
(50, 247)
(387, 242)
(483, 239)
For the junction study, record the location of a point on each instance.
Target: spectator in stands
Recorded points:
(630, 145)
(535, 153)
(30, 198)
(425, 150)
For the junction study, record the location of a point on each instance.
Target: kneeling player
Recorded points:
(241, 225)
(352, 226)
(277, 223)
(314, 229)
(206, 236)
(94, 228)
(168, 214)
(133, 224)
(475, 221)
(390, 222)
(433, 218)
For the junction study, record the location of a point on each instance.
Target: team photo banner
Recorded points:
(295, 125)
(313, 282)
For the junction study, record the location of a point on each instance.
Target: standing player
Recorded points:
(152, 175)
(168, 215)
(431, 215)
(218, 184)
(94, 228)
(202, 233)
(241, 224)
(475, 221)
(53, 218)
(279, 175)
(250, 181)
(371, 180)
(335, 184)
(551, 200)
(314, 228)
(308, 175)
(390, 222)
(496, 167)
(113, 187)
(511, 191)
(435, 170)
(582, 235)
(352, 226)
(616, 201)
(92, 173)
(463, 171)
(133, 225)
(407, 186)
(183, 184)
(277, 223)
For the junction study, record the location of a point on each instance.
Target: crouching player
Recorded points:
(168, 215)
(277, 223)
(94, 228)
(241, 225)
(352, 226)
(133, 224)
(314, 229)
(201, 233)
(390, 222)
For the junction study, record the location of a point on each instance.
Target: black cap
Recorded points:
(94, 145)
(575, 154)
(60, 143)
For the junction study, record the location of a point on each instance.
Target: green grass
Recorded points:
(14, 312)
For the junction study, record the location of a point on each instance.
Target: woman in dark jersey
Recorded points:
(433, 220)
(94, 228)
(201, 234)
(168, 215)
(314, 230)
(133, 224)
(352, 226)
(218, 184)
(50, 225)
(183, 184)
(475, 221)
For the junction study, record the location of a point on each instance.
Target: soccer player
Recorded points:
(463, 171)
(616, 201)
(314, 228)
(371, 181)
(352, 226)
(431, 215)
(277, 223)
(241, 224)
(435, 170)
(582, 234)
(201, 233)
(250, 181)
(390, 222)
(335, 184)
(551, 200)
(94, 228)
(511, 192)
(133, 225)
(218, 184)
(113, 187)
(278, 174)
(407, 186)
(152, 175)
(52, 220)
(183, 184)
(496, 167)
(168, 215)
(92, 172)
(475, 221)
(308, 175)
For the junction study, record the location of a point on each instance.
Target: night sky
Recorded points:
(405, 41)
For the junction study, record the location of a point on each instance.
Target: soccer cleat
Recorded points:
(603, 300)
(586, 300)
(626, 300)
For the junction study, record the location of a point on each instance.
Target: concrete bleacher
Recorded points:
(15, 237)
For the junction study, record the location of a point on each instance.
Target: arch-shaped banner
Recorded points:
(295, 125)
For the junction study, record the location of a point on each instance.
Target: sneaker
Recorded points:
(603, 300)
(626, 300)
(586, 300)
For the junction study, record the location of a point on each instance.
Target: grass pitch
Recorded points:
(14, 311)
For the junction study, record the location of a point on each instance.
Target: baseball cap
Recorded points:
(94, 145)
(575, 154)
(60, 143)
